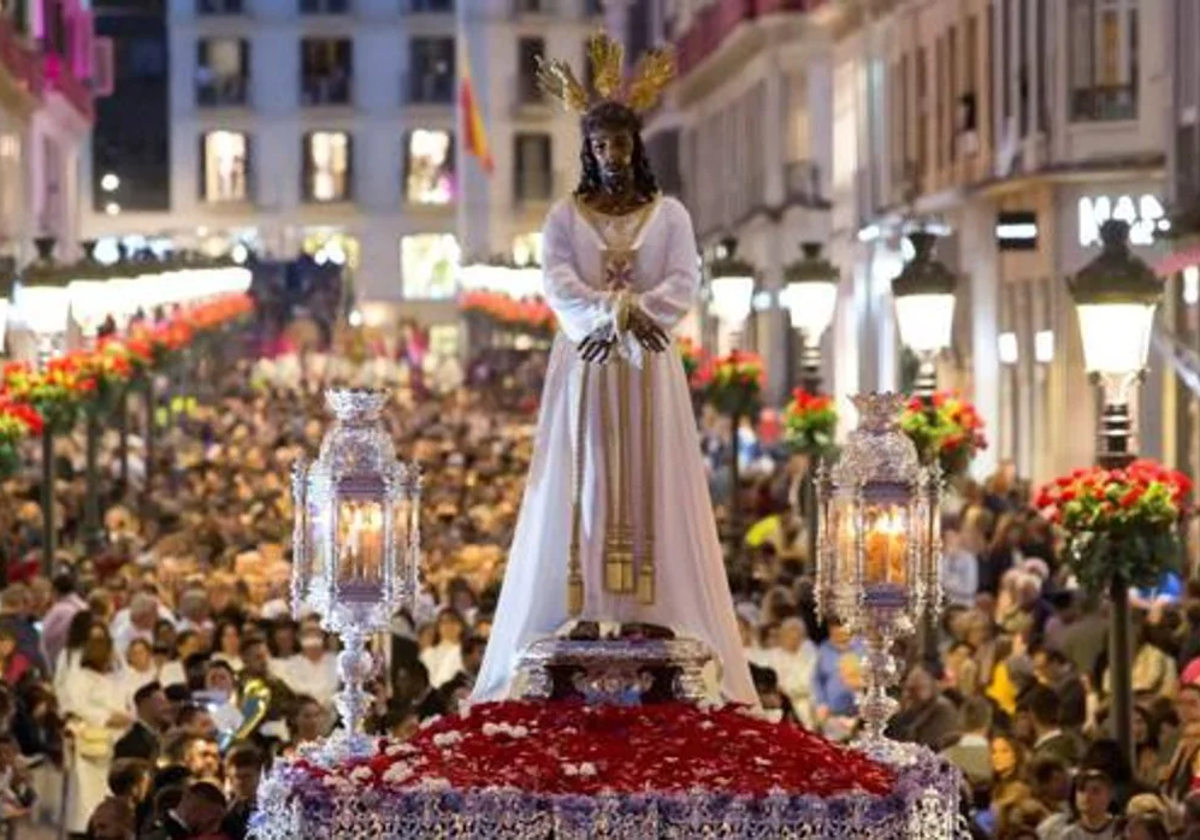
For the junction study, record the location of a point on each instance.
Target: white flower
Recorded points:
(490, 729)
(425, 724)
(361, 773)
(707, 724)
(398, 773)
(446, 739)
(761, 762)
(587, 769)
(400, 749)
(493, 729)
(434, 783)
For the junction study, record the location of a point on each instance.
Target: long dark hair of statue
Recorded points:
(613, 116)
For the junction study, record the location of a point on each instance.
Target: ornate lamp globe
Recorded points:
(42, 301)
(878, 546)
(732, 285)
(811, 292)
(356, 544)
(1116, 295)
(924, 293)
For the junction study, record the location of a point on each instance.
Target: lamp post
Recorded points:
(924, 293)
(1116, 295)
(7, 282)
(43, 306)
(811, 298)
(732, 284)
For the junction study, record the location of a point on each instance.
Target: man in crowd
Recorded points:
(144, 738)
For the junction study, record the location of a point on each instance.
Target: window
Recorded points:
(429, 167)
(534, 181)
(529, 50)
(224, 166)
(429, 265)
(431, 70)
(218, 7)
(327, 70)
(1103, 59)
(434, 6)
(327, 166)
(221, 70)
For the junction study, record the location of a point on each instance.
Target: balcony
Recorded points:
(426, 7)
(324, 7)
(428, 88)
(229, 92)
(327, 90)
(19, 59)
(1104, 104)
(209, 8)
(717, 22)
(535, 188)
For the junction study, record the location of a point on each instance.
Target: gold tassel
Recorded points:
(646, 569)
(575, 594)
(612, 541)
(625, 444)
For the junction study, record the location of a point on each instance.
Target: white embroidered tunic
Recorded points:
(691, 592)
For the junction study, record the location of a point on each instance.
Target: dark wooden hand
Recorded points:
(597, 347)
(648, 334)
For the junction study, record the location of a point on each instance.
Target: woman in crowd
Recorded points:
(94, 703)
(140, 668)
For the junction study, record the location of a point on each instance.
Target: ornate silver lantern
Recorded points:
(878, 550)
(356, 544)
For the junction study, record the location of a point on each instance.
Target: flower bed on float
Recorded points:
(564, 770)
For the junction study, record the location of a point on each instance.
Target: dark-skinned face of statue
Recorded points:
(613, 150)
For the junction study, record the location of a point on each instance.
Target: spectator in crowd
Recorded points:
(971, 752)
(57, 621)
(198, 815)
(143, 740)
(243, 771)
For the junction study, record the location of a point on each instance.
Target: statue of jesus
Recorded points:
(616, 523)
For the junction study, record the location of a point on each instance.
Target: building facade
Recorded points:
(330, 127)
(46, 108)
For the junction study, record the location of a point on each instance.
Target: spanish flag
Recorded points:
(474, 135)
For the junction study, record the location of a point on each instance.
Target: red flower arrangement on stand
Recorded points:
(810, 422)
(55, 392)
(531, 316)
(18, 422)
(563, 748)
(1119, 523)
(734, 383)
(946, 427)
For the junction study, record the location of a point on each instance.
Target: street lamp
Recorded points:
(811, 298)
(1116, 295)
(731, 281)
(924, 293)
(732, 285)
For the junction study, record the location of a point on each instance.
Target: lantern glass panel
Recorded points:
(885, 544)
(360, 542)
(320, 539)
(926, 321)
(1116, 336)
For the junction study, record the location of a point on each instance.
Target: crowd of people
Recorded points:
(151, 682)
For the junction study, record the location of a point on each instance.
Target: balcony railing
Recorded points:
(426, 7)
(328, 90)
(429, 88)
(222, 92)
(220, 7)
(1102, 104)
(719, 19)
(324, 7)
(534, 187)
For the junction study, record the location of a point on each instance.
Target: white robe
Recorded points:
(692, 592)
(93, 698)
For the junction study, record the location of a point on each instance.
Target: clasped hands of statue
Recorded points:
(599, 346)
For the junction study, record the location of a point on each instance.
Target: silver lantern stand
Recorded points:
(356, 547)
(878, 547)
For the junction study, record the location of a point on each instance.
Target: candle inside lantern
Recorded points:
(886, 547)
(360, 542)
